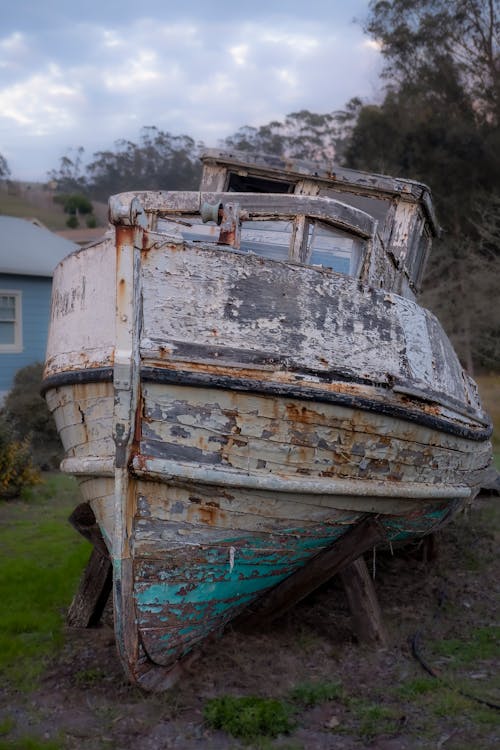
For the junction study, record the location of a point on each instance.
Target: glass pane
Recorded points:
(376, 207)
(7, 307)
(271, 239)
(7, 333)
(333, 248)
(189, 227)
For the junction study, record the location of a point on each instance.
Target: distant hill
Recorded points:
(36, 201)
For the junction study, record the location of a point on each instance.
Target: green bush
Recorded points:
(16, 467)
(29, 419)
(74, 203)
(72, 222)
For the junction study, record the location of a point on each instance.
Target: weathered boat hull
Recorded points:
(228, 417)
(206, 542)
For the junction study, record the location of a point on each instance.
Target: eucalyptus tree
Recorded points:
(158, 161)
(4, 168)
(439, 123)
(300, 135)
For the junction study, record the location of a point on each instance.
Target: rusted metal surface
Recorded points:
(230, 225)
(229, 415)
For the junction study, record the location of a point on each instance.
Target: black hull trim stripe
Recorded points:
(77, 377)
(303, 393)
(285, 390)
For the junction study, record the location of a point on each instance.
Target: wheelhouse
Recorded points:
(402, 210)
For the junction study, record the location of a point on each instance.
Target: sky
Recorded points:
(90, 73)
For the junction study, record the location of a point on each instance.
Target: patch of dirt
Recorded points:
(388, 702)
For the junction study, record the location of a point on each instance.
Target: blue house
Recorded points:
(28, 255)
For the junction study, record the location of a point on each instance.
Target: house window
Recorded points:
(10, 321)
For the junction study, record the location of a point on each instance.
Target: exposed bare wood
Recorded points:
(93, 592)
(324, 566)
(96, 583)
(363, 602)
(84, 521)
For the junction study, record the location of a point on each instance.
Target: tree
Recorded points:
(75, 204)
(4, 168)
(439, 123)
(462, 287)
(301, 135)
(16, 468)
(419, 37)
(28, 418)
(70, 176)
(160, 161)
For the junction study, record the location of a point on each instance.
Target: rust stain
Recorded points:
(206, 513)
(301, 414)
(124, 235)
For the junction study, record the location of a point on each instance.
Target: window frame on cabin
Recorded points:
(417, 251)
(257, 209)
(300, 246)
(16, 346)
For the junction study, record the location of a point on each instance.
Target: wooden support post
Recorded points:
(96, 583)
(320, 569)
(363, 603)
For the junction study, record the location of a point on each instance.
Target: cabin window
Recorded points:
(10, 321)
(247, 184)
(271, 239)
(333, 248)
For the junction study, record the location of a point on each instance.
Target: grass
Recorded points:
(253, 719)
(89, 677)
(38, 203)
(309, 694)
(41, 561)
(15, 205)
(413, 689)
(373, 719)
(29, 743)
(248, 718)
(6, 725)
(481, 643)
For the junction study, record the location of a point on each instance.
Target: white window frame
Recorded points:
(17, 346)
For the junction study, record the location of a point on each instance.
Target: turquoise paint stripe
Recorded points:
(216, 583)
(209, 595)
(164, 593)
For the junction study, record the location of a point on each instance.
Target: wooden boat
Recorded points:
(240, 378)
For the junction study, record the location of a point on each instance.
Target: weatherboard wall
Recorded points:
(35, 306)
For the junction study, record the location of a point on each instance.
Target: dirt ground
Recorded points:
(386, 700)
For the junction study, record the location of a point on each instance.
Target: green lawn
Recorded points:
(41, 560)
(15, 205)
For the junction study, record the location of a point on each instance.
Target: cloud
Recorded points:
(91, 83)
(143, 68)
(43, 103)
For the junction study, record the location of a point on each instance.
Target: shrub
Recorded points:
(16, 467)
(29, 418)
(72, 222)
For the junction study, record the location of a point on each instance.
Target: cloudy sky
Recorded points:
(88, 73)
